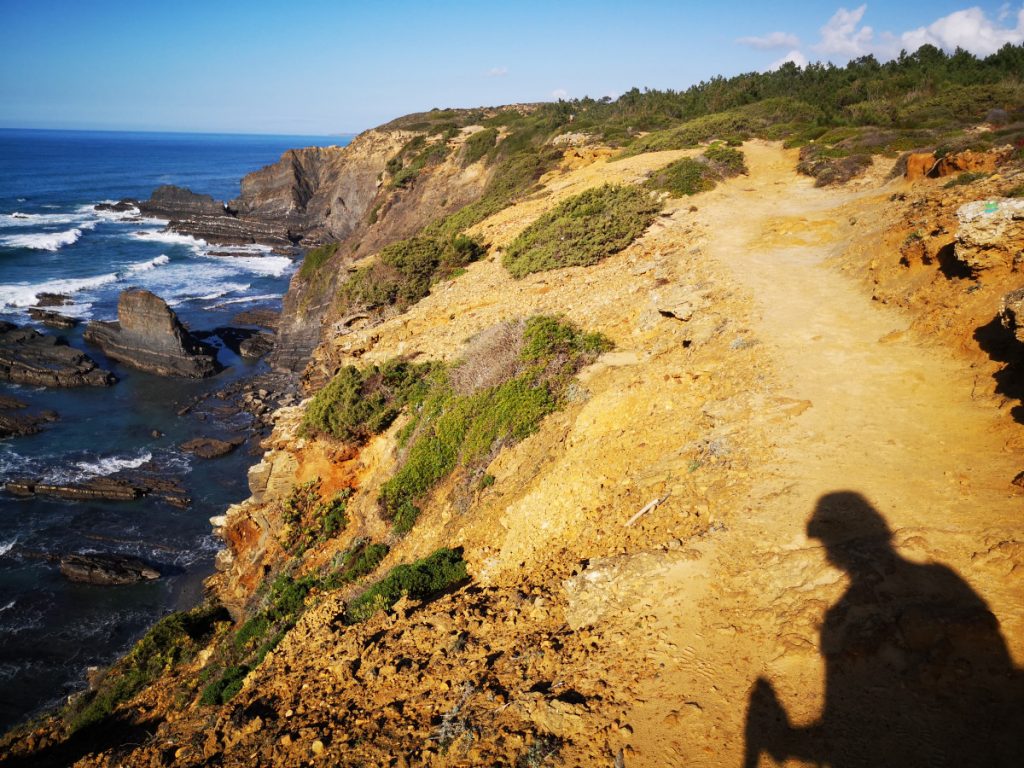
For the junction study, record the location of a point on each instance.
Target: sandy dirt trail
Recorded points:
(879, 413)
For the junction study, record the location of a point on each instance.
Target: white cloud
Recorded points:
(771, 40)
(559, 93)
(497, 71)
(969, 29)
(794, 56)
(842, 34)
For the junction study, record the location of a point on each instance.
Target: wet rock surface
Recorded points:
(16, 420)
(106, 569)
(37, 359)
(264, 318)
(53, 319)
(127, 485)
(256, 346)
(149, 336)
(211, 447)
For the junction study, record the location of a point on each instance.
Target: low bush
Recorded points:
(413, 158)
(419, 580)
(828, 168)
(310, 520)
(478, 145)
(359, 560)
(357, 404)
(582, 230)
(966, 178)
(403, 272)
(173, 640)
(450, 430)
(314, 260)
(686, 176)
(727, 161)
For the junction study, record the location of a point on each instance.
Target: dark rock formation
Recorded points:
(30, 357)
(106, 569)
(123, 206)
(52, 299)
(264, 318)
(171, 202)
(120, 486)
(53, 319)
(211, 447)
(149, 336)
(1011, 313)
(16, 420)
(256, 346)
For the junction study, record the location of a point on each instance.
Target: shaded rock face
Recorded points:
(991, 233)
(171, 202)
(256, 346)
(149, 336)
(211, 447)
(106, 569)
(922, 165)
(120, 486)
(1011, 313)
(41, 360)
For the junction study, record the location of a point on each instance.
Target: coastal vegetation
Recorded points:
(582, 230)
(690, 176)
(418, 580)
(403, 272)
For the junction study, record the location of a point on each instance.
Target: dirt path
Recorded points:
(879, 413)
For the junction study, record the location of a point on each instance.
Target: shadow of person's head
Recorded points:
(848, 526)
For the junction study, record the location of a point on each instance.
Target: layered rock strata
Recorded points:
(149, 336)
(41, 360)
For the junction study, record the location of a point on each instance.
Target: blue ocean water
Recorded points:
(51, 240)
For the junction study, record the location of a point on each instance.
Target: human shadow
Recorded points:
(916, 670)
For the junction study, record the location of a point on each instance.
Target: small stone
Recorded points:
(286, 740)
(317, 747)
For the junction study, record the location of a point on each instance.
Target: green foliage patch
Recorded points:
(450, 430)
(309, 519)
(478, 145)
(419, 580)
(582, 230)
(403, 272)
(173, 640)
(966, 178)
(691, 176)
(357, 404)
(314, 260)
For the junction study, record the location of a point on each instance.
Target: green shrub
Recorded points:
(966, 178)
(173, 640)
(310, 520)
(419, 580)
(359, 560)
(450, 430)
(315, 259)
(478, 145)
(582, 230)
(403, 272)
(727, 161)
(1017, 191)
(828, 168)
(357, 404)
(685, 176)
(413, 158)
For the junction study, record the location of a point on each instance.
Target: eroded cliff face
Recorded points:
(345, 195)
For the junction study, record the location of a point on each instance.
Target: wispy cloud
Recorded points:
(843, 34)
(770, 41)
(497, 71)
(559, 93)
(794, 56)
(970, 29)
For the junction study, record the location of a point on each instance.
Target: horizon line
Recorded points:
(178, 132)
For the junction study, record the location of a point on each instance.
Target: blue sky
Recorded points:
(330, 67)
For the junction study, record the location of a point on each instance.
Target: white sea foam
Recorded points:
(173, 238)
(19, 219)
(245, 300)
(222, 290)
(270, 266)
(24, 294)
(111, 464)
(10, 604)
(146, 266)
(43, 241)
(5, 547)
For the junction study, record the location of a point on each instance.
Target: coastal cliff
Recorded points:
(594, 470)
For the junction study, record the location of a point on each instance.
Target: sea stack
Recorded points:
(149, 336)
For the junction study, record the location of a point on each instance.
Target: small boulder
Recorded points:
(991, 233)
(211, 447)
(53, 319)
(256, 346)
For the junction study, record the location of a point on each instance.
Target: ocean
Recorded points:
(51, 240)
